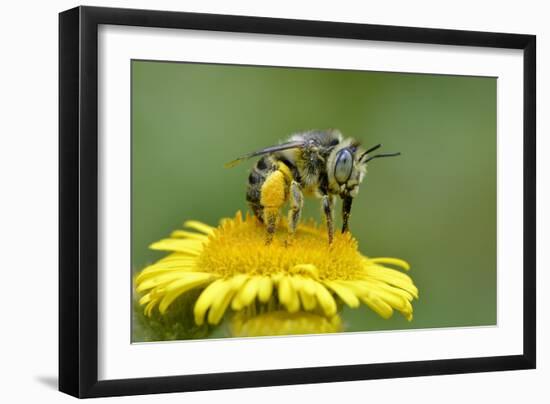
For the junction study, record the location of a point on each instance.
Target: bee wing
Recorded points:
(267, 150)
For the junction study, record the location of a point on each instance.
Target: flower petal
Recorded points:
(306, 269)
(378, 305)
(148, 311)
(265, 289)
(379, 270)
(177, 288)
(175, 256)
(288, 296)
(391, 261)
(346, 294)
(172, 262)
(246, 294)
(206, 299)
(143, 276)
(217, 310)
(199, 226)
(397, 298)
(326, 301)
(392, 277)
(397, 302)
(189, 235)
(160, 279)
(309, 286)
(308, 299)
(191, 247)
(145, 299)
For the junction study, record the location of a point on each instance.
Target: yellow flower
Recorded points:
(274, 288)
(281, 322)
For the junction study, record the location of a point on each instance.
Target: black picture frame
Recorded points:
(78, 200)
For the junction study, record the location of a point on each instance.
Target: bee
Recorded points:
(321, 163)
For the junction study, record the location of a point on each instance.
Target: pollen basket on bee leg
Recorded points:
(274, 191)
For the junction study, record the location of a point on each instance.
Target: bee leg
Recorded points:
(271, 220)
(328, 204)
(295, 211)
(346, 213)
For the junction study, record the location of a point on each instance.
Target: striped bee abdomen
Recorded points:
(256, 179)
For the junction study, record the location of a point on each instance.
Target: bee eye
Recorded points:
(343, 166)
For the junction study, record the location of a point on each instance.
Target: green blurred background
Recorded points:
(435, 206)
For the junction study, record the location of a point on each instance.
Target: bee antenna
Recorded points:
(381, 155)
(373, 148)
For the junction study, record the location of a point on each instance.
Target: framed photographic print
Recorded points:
(251, 201)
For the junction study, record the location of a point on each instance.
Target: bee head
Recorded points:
(344, 170)
(347, 166)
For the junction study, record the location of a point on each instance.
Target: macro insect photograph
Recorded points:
(276, 201)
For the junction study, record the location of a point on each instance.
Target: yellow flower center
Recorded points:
(238, 246)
